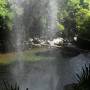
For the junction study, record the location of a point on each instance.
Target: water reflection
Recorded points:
(48, 74)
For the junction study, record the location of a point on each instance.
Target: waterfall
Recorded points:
(23, 22)
(52, 17)
(49, 18)
(34, 18)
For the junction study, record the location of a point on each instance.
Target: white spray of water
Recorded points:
(18, 69)
(52, 17)
(19, 29)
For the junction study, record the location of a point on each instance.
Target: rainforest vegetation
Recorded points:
(73, 20)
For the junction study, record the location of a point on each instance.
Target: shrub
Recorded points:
(83, 79)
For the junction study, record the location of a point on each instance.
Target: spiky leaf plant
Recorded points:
(83, 79)
(7, 86)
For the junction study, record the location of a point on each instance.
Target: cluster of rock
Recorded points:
(36, 42)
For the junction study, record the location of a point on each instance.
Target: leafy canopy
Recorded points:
(75, 14)
(5, 15)
(4, 8)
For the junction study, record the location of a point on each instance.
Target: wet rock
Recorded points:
(34, 45)
(58, 41)
(36, 41)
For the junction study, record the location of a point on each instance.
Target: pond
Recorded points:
(41, 68)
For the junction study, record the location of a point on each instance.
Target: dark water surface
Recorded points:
(52, 73)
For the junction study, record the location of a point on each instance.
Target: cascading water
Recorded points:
(52, 18)
(49, 18)
(19, 31)
(19, 27)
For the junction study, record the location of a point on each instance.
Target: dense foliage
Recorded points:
(74, 15)
(5, 24)
(5, 15)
